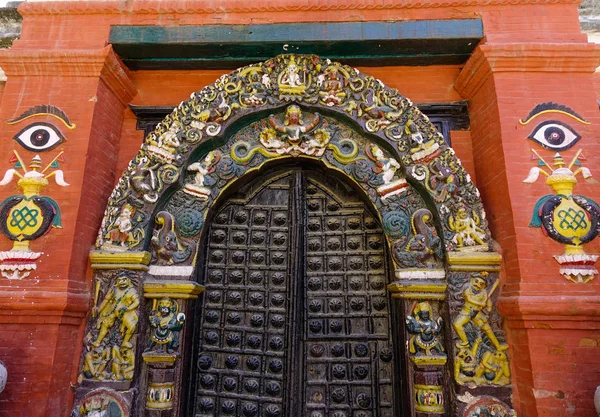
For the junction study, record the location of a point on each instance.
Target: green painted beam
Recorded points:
(424, 42)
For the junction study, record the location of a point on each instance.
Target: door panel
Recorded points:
(245, 325)
(295, 318)
(347, 330)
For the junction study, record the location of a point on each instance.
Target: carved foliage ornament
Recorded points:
(415, 151)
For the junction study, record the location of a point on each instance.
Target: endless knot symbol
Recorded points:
(572, 219)
(24, 218)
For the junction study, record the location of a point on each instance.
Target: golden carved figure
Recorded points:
(94, 363)
(468, 232)
(119, 304)
(475, 310)
(493, 368)
(477, 362)
(123, 362)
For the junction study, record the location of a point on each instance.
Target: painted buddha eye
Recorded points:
(554, 135)
(39, 137)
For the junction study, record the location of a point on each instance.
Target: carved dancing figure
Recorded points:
(425, 331)
(166, 324)
(468, 233)
(119, 304)
(475, 310)
(392, 185)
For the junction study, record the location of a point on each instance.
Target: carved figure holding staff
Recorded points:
(475, 310)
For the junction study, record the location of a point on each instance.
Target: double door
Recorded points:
(295, 318)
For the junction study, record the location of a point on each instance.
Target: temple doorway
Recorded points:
(295, 318)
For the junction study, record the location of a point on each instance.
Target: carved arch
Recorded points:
(305, 107)
(198, 124)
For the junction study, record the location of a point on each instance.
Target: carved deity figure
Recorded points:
(291, 77)
(166, 324)
(332, 84)
(121, 232)
(94, 363)
(293, 126)
(475, 310)
(424, 330)
(120, 305)
(202, 169)
(420, 148)
(387, 167)
(123, 362)
(467, 231)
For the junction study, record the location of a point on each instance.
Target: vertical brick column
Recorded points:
(552, 324)
(42, 314)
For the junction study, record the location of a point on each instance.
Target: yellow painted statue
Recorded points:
(476, 308)
(120, 304)
(123, 362)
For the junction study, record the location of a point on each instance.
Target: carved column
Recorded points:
(111, 341)
(480, 357)
(423, 292)
(162, 365)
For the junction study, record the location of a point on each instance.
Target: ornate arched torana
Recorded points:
(151, 248)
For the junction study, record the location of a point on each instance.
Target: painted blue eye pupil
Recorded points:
(40, 137)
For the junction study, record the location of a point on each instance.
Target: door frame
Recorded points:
(393, 130)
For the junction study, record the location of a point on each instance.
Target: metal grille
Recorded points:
(295, 316)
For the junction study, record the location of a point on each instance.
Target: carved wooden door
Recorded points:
(295, 318)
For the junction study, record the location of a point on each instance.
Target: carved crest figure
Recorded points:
(27, 216)
(572, 220)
